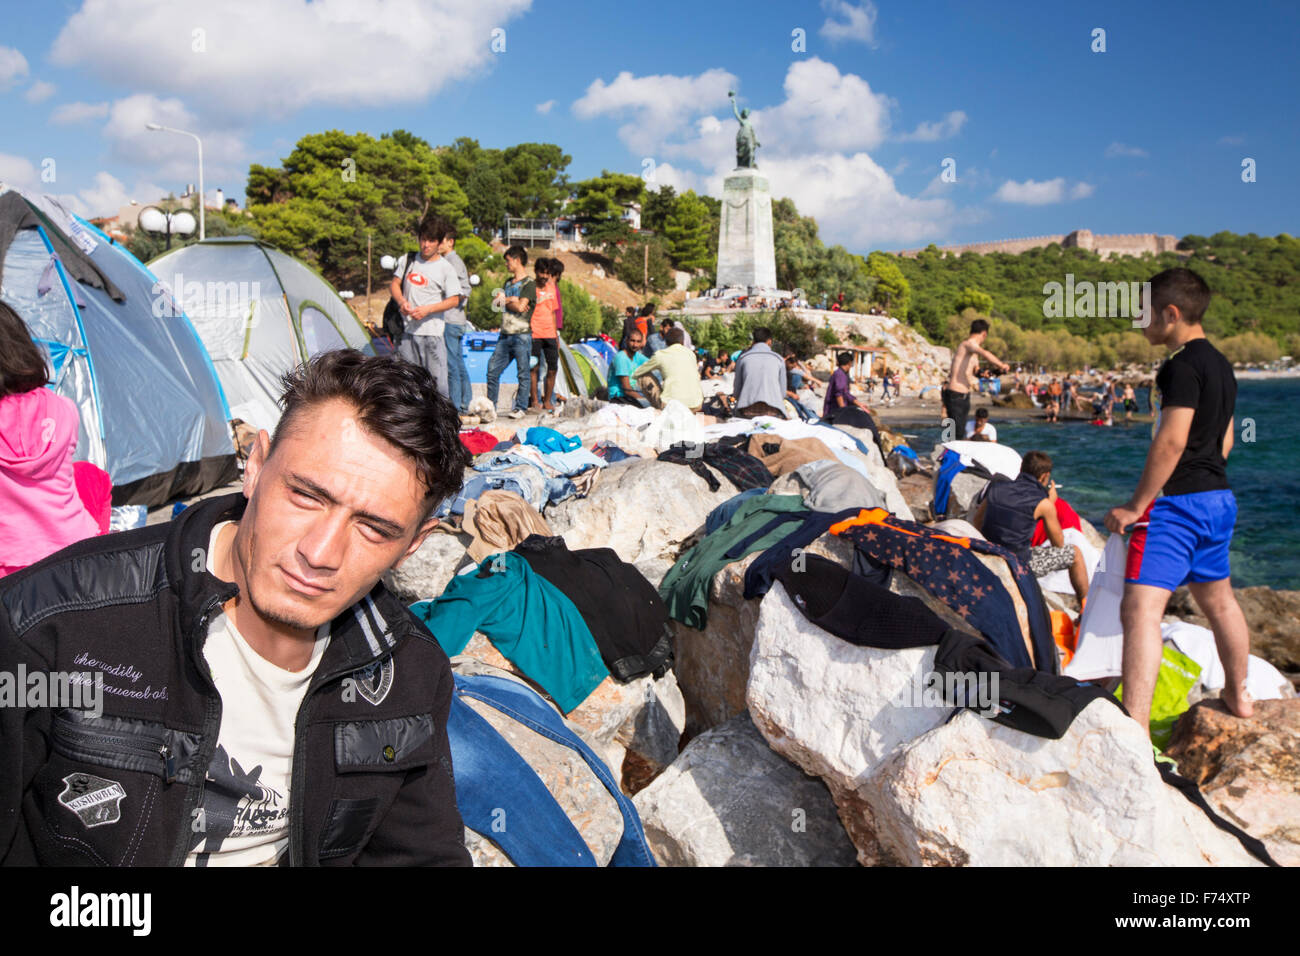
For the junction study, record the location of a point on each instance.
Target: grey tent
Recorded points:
(151, 408)
(260, 313)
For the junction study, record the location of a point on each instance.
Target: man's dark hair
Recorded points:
(516, 252)
(434, 228)
(630, 311)
(395, 400)
(543, 267)
(844, 358)
(1183, 288)
(1036, 463)
(648, 309)
(22, 366)
(675, 336)
(762, 334)
(981, 413)
(978, 326)
(557, 269)
(666, 324)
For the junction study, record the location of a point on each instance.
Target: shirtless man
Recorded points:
(956, 391)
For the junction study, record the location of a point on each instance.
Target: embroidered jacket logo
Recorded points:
(93, 799)
(374, 682)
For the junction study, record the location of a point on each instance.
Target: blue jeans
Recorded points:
(457, 373)
(518, 347)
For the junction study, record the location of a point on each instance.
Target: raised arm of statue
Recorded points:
(735, 108)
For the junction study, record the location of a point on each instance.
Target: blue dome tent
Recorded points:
(152, 411)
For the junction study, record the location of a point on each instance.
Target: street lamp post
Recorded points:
(168, 129)
(153, 219)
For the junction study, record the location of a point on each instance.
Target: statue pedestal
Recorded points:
(746, 254)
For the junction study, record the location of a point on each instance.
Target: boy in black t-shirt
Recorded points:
(1182, 537)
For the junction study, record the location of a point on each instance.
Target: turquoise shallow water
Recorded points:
(1098, 468)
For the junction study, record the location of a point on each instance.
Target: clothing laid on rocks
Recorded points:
(626, 616)
(42, 511)
(946, 567)
(499, 520)
(740, 468)
(478, 441)
(781, 456)
(723, 512)
(1044, 560)
(856, 609)
(530, 621)
(763, 570)
(834, 487)
(492, 779)
(758, 523)
(1032, 701)
(549, 440)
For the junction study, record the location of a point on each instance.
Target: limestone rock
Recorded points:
(579, 792)
(974, 793)
(835, 709)
(644, 510)
(424, 575)
(1273, 618)
(728, 800)
(1248, 769)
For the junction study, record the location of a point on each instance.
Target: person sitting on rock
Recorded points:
(760, 384)
(676, 364)
(1010, 510)
(622, 384)
(840, 407)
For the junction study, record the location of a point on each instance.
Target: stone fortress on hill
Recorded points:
(1132, 244)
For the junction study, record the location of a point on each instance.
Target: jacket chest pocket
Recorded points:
(363, 747)
(123, 743)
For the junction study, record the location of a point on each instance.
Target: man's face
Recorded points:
(332, 509)
(446, 246)
(429, 247)
(636, 341)
(1159, 325)
(512, 263)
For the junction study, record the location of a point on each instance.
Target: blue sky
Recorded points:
(1044, 134)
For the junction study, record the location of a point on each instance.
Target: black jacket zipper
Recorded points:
(208, 746)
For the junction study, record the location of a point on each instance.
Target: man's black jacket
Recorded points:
(372, 778)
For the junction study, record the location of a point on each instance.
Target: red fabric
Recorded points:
(1068, 517)
(1137, 544)
(478, 441)
(95, 489)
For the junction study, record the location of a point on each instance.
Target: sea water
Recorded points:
(1099, 467)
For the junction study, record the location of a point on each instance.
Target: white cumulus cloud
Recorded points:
(1031, 192)
(68, 113)
(13, 67)
(169, 156)
(657, 106)
(848, 21)
(39, 92)
(1082, 190)
(545, 108)
(278, 57)
(103, 197)
(926, 132)
(1120, 149)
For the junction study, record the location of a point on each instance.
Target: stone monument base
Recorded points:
(746, 253)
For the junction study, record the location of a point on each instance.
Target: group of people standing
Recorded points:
(431, 287)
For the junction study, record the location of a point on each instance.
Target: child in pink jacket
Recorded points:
(40, 508)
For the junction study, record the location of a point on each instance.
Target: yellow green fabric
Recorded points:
(1178, 675)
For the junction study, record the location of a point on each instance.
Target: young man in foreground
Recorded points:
(266, 701)
(1182, 513)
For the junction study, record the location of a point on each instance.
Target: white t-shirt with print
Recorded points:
(428, 282)
(245, 819)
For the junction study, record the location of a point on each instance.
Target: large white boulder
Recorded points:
(974, 793)
(729, 800)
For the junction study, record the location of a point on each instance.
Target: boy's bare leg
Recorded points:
(1231, 636)
(1141, 610)
(548, 401)
(1079, 577)
(532, 389)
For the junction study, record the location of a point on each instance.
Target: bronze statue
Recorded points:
(746, 142)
